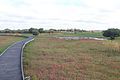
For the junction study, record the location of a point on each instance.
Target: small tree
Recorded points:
(112, 33)
(31, 30)
(35, 32)
(41, 30)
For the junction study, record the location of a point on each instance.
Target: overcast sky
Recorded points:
(82, 14)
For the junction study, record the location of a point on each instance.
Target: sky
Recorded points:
(60, 14)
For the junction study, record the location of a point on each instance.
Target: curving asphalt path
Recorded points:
(10, 62)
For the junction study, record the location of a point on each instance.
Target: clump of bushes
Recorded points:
(112, 33)
(34, 31)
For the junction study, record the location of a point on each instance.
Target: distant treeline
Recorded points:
(40, 30)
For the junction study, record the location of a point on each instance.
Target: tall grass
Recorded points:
(6, 41)
(112, 45)
(49, 58)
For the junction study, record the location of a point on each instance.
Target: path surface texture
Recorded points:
(10, 62)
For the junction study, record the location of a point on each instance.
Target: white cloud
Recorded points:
(83, 14)
(103, 4)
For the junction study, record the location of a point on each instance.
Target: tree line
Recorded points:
(112, 33)
(36, 31)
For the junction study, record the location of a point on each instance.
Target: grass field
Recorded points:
(84, 34)
(6, 41)
(48, 58)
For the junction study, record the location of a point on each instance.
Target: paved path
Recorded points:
(10, 62)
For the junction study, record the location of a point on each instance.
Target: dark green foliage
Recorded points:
(41, 30)
(31, 30)
(14, 31)
(7, 31)
(35, 32)
(112, 33)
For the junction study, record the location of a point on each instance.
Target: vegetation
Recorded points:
(84, 34)
(35, 32)
(49, 58)
(41, 30)
(14, 31)
(6, 41)
(112, 33)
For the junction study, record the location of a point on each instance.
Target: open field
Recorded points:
(16, 34)
(49, 58)
(84, 34)
(6, 41)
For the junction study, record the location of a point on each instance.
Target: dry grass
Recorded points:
(5, 41)
(113, 45)
(54, 59)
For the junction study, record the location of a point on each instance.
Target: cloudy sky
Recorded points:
(82, 14)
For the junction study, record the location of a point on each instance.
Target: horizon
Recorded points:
(60, 14)
(97, 30)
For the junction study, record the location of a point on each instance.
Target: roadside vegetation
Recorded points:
(48, 58)
(6, 41)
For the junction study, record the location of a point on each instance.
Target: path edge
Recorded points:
(8, 48)
(22, 70)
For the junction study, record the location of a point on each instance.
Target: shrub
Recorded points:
(112, 33)
(35, 32)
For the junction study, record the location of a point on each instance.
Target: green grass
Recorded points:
(27, 34)
(6, 41)
(84, 34)
(16, 34)
(48, 58)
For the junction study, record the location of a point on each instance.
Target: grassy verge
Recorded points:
(6, 41)
(49, 58)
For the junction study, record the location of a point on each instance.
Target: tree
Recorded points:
(112, 33)
(31, 30)
(7, 30)
(35, 32)
(41, 30)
